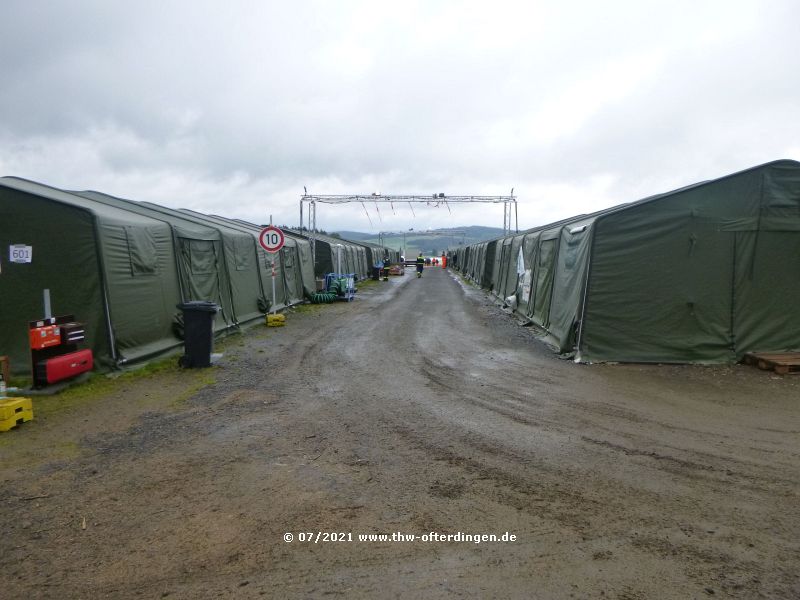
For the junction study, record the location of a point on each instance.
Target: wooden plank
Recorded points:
(4, 368)
(780, 362)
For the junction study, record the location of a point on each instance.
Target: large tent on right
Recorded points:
(702, 274)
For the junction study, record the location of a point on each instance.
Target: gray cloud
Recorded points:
(232, 109)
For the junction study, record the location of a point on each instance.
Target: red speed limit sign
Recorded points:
(271, 239)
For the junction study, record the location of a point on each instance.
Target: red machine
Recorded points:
(54, 350)
(64, 366)
(45, 336)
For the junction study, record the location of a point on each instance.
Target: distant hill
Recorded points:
(430, 243)
(356, 236)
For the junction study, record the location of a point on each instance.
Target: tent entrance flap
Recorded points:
(762, 288)
(544, 281)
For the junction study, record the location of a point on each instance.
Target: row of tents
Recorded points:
(705, 273)
(336, 255)
(122, 266)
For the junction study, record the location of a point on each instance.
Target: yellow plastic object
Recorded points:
(276, 320)
(17, 419)
(11, 406)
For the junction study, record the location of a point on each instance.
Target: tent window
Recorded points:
(288, 260)
(142, 251)
(202, 259)
(573, 250)
(242, 250)
(546, 252)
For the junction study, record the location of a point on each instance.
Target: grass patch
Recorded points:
(363, 283)
(234, 338)
(307, 308)
(187, 381)
(115, 401)
(65, 450)
(56, 450)
(206, 380)
(99, 385)
(464, 278)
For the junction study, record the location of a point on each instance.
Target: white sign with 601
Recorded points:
(20, 253)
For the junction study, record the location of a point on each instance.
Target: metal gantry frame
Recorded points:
(432, 200)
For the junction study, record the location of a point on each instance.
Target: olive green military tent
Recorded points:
(208, 261)
(480, 264)
(242, 269)
(702, 274)
(376, 253)
(122, 266)
(334, 253)
(293, 264)
(113, 269)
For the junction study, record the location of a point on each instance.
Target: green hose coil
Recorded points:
(323, 298)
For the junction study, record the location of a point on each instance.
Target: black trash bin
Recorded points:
(198, 338)
(376, 272)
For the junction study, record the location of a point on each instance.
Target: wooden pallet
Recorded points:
(780, 362)
(4, 369)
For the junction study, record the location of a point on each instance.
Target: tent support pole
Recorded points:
(48, 312)
(104, 285)
(579, 341)
(312, 218)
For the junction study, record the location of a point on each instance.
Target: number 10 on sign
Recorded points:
(272, 240)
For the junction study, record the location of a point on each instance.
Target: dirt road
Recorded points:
(420, 409)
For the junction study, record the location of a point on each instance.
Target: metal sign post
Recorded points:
(273, 286)
(272, 240)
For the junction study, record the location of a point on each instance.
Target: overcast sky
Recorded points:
(232, 107)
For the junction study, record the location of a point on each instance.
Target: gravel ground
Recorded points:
(419, 409)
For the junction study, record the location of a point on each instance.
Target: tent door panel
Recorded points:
(290, 275)
(765, 289)
(531, 253)
(502, 275)
(199, 272)
(544, 281)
